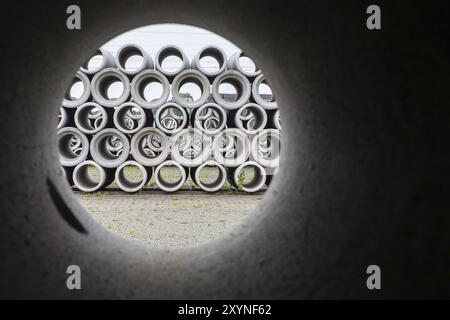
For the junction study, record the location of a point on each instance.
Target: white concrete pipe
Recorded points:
(110, 148)
(190, 147)
(170, 167)
(171, 118)
(237, 177)
(150, 147)
(205, 182)
(131, 50)
(250, 118)
(91, 117)
(259, 99)
(166, 52)
(240, 84)
(190, 77)
(131, 184)
(107, 61)
(73, 146)
(103, 81)
(235, 64)
(210, 118)
(89, 176)
(213, 52)
(265, 148)
(73, 101)
(231, 147)
(129, 118)
(148, 78)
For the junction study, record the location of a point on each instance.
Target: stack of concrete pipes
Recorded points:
(110, 134)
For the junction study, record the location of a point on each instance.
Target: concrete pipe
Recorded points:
(131, 184)
(265, 101)
(130, 118)
(231, 147)
(107, 61)
(110, 148)
(81, 84)
(240, 85)
(190, 147)
(265, 148)
(89, 176)
(166, 52)
(251, 118)
(102, 83)
(131, 50)
(171, 118)
(91, 117)
(193, 77)
(73, 146)
(166, 171)
(62, 118)
(150, 147)
(273, 119)
(210, 118)
(238, 176)
(148, 79)
(214, 52)
(235, 64)
(205, 182)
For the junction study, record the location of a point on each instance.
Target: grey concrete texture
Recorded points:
(363, 173)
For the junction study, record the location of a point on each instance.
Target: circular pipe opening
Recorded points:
(164, 54)
(131, 176)
(150, 89)
(205, 179)
(190, 147)
(91, 118)
(251, 118)
(150, 147)
(170, 176)
(130, 118)
(210, 60)
(183, 89)
(132, 59)
(231, 147)
(89, 176)
(110, 148)
(249, 177)
(171, 118)
(103, 90)
(266, 148)
(73, 146)
(242, 63)
(209, 118)
(240, 84)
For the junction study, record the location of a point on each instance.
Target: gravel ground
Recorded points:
(181, 219)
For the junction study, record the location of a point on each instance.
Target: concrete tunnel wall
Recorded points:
(363, 175)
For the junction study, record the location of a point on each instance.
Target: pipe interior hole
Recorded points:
(210, 175)
(151, 90)
(70, 145)
(170, 176)
(112, 88)
(110, 147)
(190, 90)
(76, 90)
(210, 63)
(229, 91)
(265, 91)
(247, 64)
(171, 63)
(131, 176)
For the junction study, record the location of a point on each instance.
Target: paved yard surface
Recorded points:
(181, 219)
